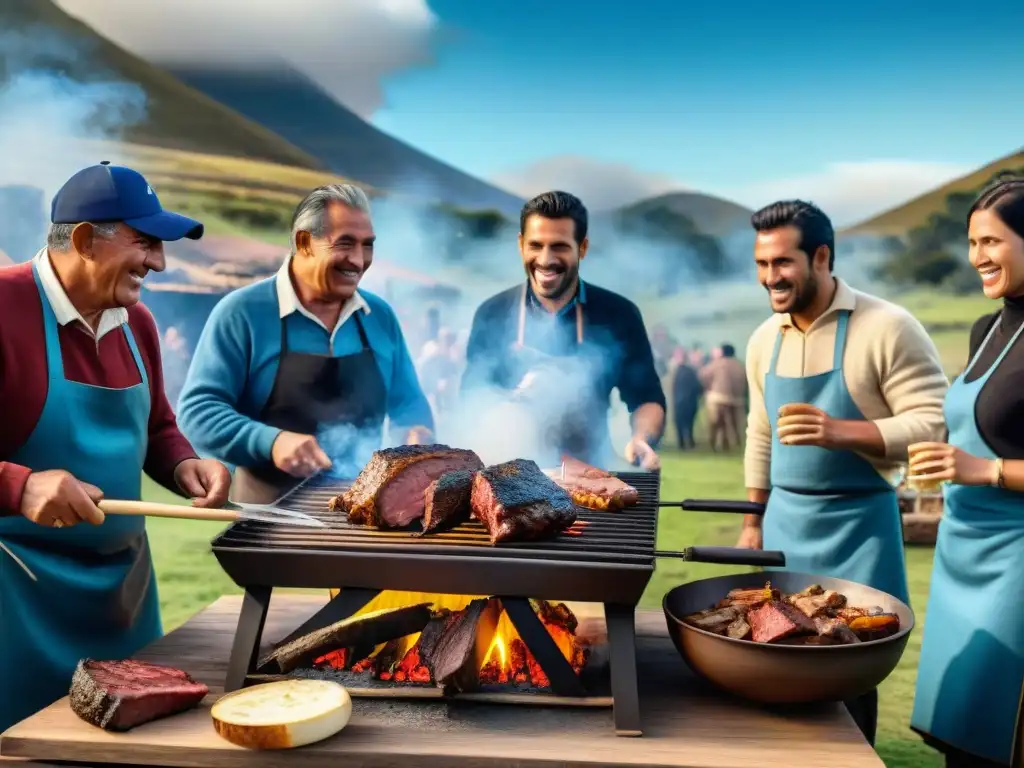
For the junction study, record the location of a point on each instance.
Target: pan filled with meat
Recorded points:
(787, 638)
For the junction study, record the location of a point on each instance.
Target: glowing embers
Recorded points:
(470, 643)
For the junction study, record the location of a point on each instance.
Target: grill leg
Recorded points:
(341, 606)
(563, 678)
(246, 646)
(620, 620)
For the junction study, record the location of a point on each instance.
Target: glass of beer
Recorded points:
(921, 484)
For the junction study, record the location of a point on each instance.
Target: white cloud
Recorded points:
(347, 46)
(850, 192)
(600, 184)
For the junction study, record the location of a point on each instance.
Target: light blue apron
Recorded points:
(830, 511)
(95, 593)
(971, 670)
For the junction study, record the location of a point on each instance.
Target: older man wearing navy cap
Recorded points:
(84, 413)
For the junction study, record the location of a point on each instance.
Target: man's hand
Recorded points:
(751, 537)
(57, 499)
(205, 480)
(937, 463)
(298, 455)
(639, 453)
(419, 436)
(803, 424)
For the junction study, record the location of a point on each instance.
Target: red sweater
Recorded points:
(23, 379)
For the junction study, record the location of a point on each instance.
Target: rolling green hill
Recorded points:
(898, 221)
(712, 215)
(176, 116)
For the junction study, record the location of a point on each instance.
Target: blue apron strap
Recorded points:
(54, 358)
(775, 352)
(135, 353)
(840, 347)
(988, 337)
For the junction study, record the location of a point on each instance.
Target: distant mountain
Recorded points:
(294, 107)
(711, 215)
(177, 116)
(898, 221)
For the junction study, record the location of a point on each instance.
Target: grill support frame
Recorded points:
(362, 570)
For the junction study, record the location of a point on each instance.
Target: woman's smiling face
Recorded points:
(997, 252)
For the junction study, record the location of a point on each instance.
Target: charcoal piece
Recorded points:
(120, 695)
(517, 501)
(446, 501)
(456, 654)
(389, 492)
(368, 629)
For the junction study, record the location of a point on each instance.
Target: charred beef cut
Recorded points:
(447, 500)
(594, 488)
(389, 492)
(777, 620)
(119, 695)
(517, 501)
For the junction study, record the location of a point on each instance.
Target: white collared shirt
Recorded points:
(65, 311)
(288, 302)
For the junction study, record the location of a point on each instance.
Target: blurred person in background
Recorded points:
(841, 383)
(686, 393)
(724, 381)
(439, 372)
(557, 339)
(84, 414)
(971, 673)
(295, 374)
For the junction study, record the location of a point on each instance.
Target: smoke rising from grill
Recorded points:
(47, 115)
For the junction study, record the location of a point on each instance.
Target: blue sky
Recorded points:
(858, 106)
(726, 98)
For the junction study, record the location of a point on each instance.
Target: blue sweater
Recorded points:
(235, 362)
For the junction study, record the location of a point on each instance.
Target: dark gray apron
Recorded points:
(312, 394)
(581, 430)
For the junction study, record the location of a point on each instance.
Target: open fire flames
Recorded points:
(507, 661)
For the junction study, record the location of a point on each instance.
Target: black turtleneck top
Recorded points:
(999, 411)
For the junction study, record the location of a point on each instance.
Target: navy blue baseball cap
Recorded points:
(107, 193)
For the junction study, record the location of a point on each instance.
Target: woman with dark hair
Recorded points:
(971, 672)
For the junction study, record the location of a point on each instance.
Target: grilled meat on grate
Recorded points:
(389, 492)
(516, 500)
(594, 488)
(447, 500)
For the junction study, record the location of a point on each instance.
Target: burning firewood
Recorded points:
(365, 630)
(457, 653)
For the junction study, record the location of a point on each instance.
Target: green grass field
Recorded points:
(190, 578)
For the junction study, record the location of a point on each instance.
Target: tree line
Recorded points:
(932, 254)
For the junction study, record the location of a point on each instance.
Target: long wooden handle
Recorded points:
(152, 509)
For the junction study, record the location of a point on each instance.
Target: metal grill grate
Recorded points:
(626, 536)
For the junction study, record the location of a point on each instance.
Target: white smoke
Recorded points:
(45, 115)
(347, 46)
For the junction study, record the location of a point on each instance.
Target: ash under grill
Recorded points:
(606, 557)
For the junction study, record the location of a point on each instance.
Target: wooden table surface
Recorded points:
(685, 723)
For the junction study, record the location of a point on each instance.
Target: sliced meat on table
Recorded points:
(389, 492)
(120, 695)
(517, 501)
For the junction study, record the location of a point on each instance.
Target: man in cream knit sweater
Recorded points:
(841, 383)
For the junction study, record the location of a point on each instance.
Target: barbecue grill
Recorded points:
(609, 560)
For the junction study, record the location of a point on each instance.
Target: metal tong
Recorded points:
(231, 512)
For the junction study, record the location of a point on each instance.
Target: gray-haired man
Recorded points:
(296, 373)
